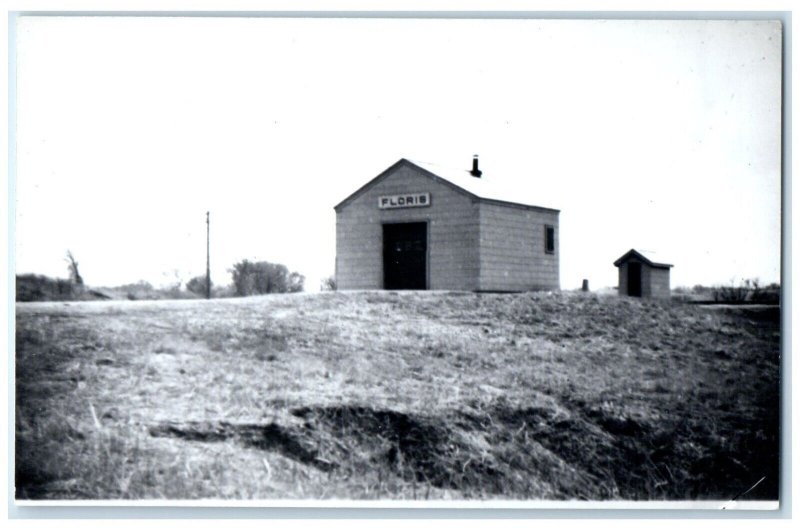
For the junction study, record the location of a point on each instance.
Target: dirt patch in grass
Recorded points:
(416, 448)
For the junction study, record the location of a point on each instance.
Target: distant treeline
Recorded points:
(748, 291)
(249, 278)
(262, 277)
(39, 288)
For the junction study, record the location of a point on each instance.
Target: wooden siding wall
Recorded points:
(452, 234)
(656, 283)
(512, 254)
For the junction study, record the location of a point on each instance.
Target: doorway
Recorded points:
(405, 251)
(634, 279)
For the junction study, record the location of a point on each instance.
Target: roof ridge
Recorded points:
(486, 190)
(436, 164)
(650, 260)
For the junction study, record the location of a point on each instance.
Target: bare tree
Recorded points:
(74, 275)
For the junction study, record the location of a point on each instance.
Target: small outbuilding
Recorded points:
(641, 275)
(423, 226)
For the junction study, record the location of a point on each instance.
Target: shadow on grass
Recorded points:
(268, 437)
(582, 453)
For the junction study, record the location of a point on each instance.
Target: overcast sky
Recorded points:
(658, 135)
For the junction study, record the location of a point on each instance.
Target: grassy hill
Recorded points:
(386, 395)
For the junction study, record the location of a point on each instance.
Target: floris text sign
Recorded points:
(407, 200)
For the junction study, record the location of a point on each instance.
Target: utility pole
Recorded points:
(208, 255)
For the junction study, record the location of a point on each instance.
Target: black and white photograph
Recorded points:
(417, 261)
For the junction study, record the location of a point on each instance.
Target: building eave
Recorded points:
(518, 205)
(383, 174)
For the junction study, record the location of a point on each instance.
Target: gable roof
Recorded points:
(461, 181)
(646, 256)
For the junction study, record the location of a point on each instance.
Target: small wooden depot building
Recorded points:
(418, 226)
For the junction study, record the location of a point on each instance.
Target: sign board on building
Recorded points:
(408, 200)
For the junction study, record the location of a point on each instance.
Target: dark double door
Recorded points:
(405, 251)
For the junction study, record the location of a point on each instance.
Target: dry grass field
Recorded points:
(380, 395)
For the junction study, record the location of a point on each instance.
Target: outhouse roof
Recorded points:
(647, 256)
(485, 189)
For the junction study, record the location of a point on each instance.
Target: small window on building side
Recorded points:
(549, 239)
